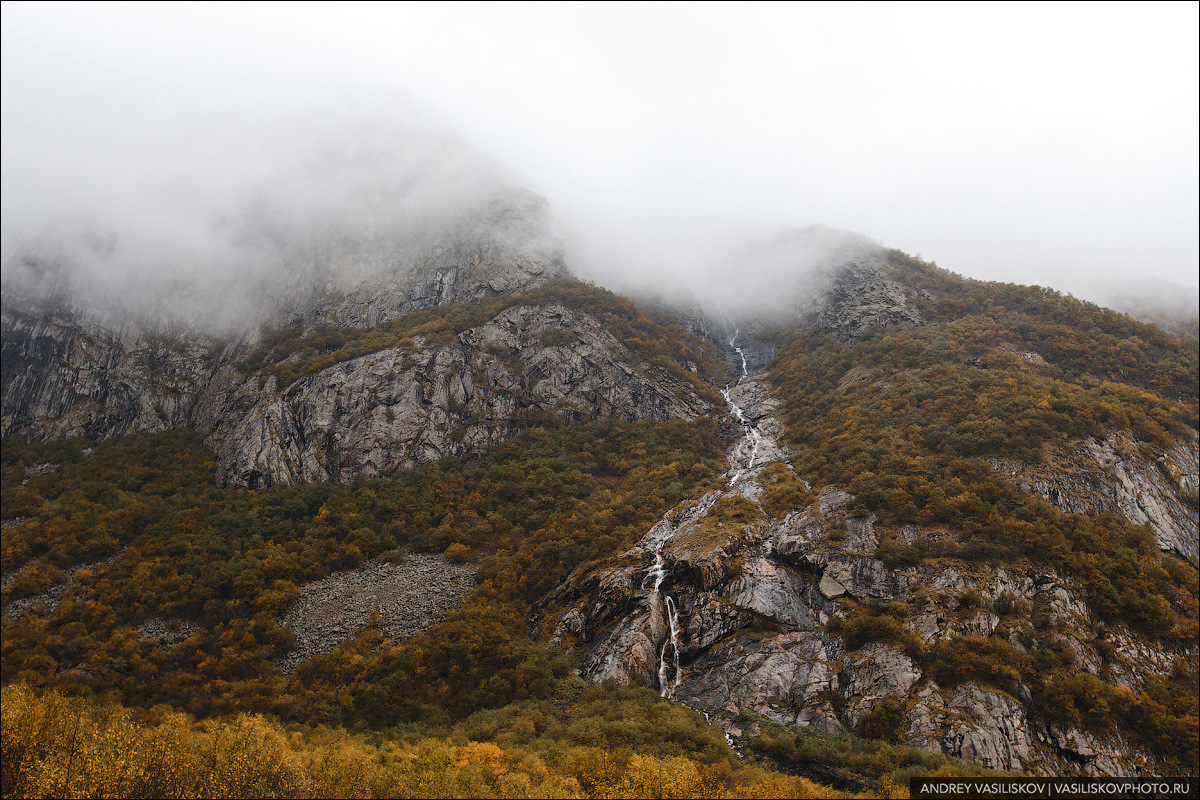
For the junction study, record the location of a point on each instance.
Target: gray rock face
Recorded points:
(863, 578)
(786, 679)
(756, 599)
(68, 374)
(70, 371)
(877, 672)
(859, 299)
(507, 252)
(398, 408)
(975, 724)
(1123, 476)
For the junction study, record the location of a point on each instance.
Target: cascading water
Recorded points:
(670, 672)
(750, 434)
(666, 686)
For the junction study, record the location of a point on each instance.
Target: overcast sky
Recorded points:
(1036, 143)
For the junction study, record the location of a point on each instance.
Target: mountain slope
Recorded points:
(898, 573)
(955, 515)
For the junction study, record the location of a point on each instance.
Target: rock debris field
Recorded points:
(410, 597)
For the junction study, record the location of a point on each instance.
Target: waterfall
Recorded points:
(670, 672)
(751, 434)
(666, 686)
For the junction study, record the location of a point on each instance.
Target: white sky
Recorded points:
(1039, 143)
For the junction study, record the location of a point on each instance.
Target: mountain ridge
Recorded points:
(843, 582)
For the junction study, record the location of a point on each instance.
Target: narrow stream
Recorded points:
(750, 435)
(670, 672)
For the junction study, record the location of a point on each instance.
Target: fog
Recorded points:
(206, 147)
(205, 216)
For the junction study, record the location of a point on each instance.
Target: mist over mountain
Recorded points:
(211, 228)
(220, 228)
(315, 407)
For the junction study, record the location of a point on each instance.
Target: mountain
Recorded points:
(949, 537)
(892, 505)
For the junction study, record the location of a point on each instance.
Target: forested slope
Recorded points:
(982, 542)
(979, 543)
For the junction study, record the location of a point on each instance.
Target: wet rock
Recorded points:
(628, 652)
(771, 676)
(708, 620)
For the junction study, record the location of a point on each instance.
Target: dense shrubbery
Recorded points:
(869, 756)
(1161, 719)
(877, 623)
(783, 491)
(908, 419)
(55, 746)
(1077, 337)
(231, 560)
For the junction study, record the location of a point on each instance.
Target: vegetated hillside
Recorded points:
(73, 747)
(1003, 380)
(961, 555)
(160, 541)
(983, 542)
(319, 402)
(959, 425)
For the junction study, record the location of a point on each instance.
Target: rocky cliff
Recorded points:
(69, 372)
(404, 406)
(503, 248)
(769, 605)
(76, 364)
(1121, 475)
(767, 602)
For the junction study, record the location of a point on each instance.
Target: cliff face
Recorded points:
(397, 408)
(66, 373)
(859, 297)
(505, 248)
(766, 602)
(71, 372)
(1121, 475)
(789, 614)
(394, 408)
(100, 366)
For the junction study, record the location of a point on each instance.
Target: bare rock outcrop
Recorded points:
(69, 373)
(1123, 476)
(73, 369)
(766, 604)
(860, 297)
(400, 407)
